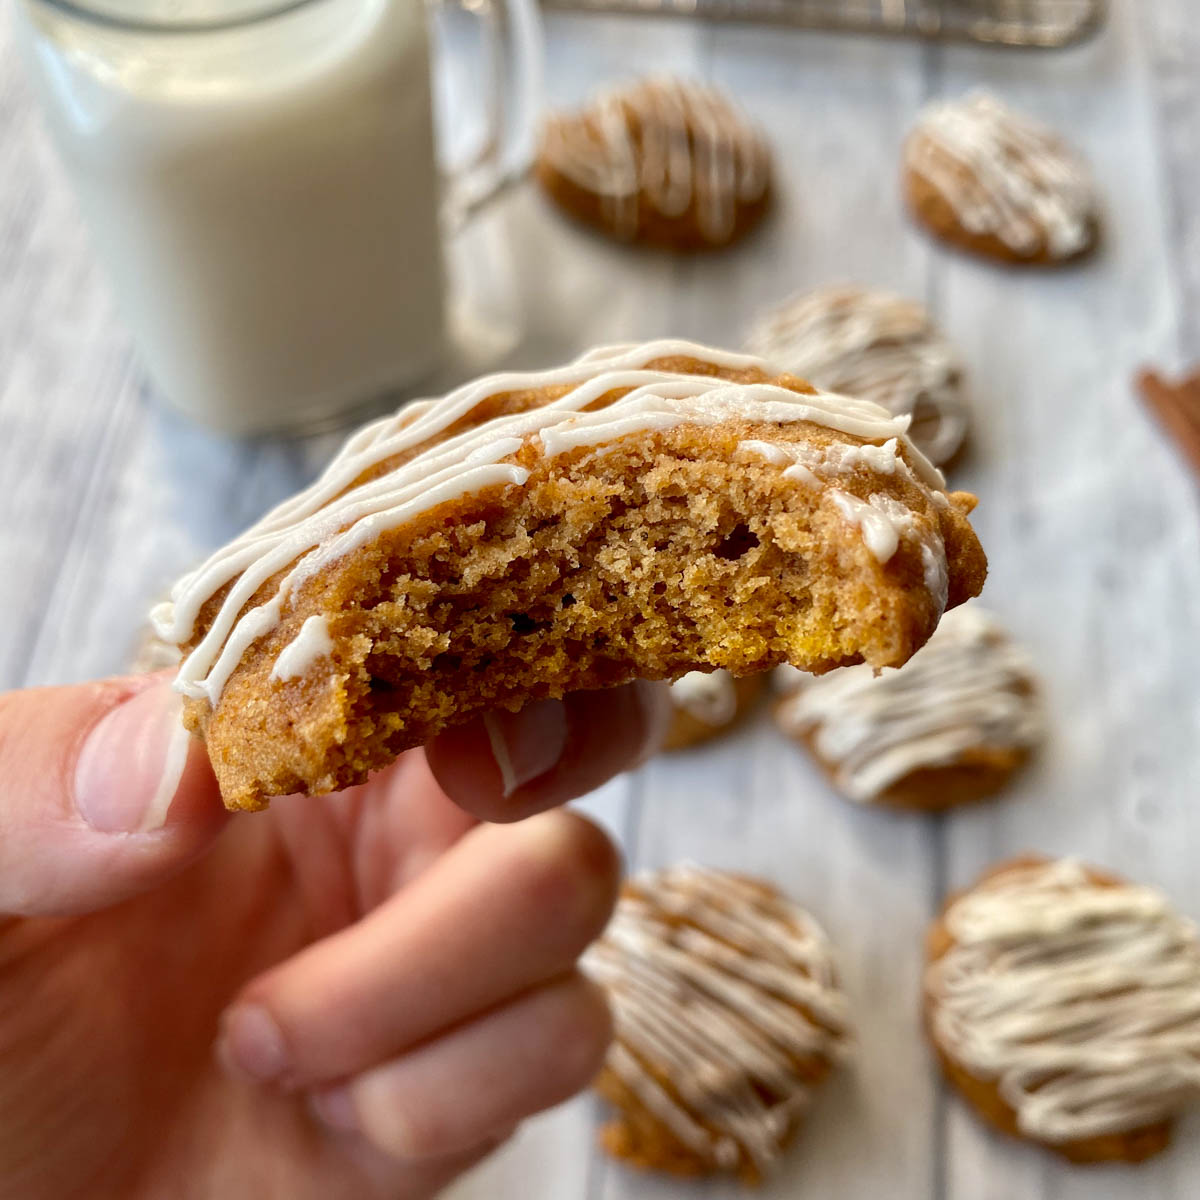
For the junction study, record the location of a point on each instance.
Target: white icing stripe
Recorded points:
(174, 764)
(690, 146)
(875, 345)
(721, 992)
(1082, 1002)
(710, 698)
(968, 686)
(311, 643)
(1020, 183)
(884, 522)
(332, 518)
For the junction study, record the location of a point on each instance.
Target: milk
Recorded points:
(264, 197)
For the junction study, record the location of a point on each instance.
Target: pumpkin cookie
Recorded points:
(707, 705)
(661, 161)
(951, 726)
(1064, 1004)
(870, 343)
(645, 511)
(728, 1017)
(988, 180)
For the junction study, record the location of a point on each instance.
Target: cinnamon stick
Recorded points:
(1177, 407)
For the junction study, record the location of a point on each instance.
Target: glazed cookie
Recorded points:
(661, 161)
(728, 1017)
(1064, 1005)
(707, 705)
(647, 511)
(991, 181)
(870, 343)
(949, 727)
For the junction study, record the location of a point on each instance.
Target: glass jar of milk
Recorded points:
(261, 183)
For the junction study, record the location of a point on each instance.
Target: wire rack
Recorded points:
(1038, 24)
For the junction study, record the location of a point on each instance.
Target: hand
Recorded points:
(390, 986)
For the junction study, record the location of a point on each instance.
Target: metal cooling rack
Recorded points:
(1038, 24)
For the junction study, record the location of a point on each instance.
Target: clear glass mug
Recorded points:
(261, 183)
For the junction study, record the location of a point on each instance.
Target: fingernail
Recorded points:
(129, 767)
(654, 699)
(335, 1108)
(527, 744)
(250, 1044)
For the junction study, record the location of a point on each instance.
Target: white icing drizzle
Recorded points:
(311, 643)
(829, 461)
(882, 519)
(335, 516)
(968, 686)
(936, 575)
(1020, 183)
(798, 459)
(870, 343)
(1081, 1001)
(174, 764)
(710, 1013)
(709, 697)
(668, 141)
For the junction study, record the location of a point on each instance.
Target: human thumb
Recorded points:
(103, 794)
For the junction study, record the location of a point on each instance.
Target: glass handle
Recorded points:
(512, 32)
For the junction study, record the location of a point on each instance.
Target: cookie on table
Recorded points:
(950, 726)
(873, 344)
(647, 510)
(997, 183)
(662, 161)
(707, 704)
(728, 1017)
(1064, 1005)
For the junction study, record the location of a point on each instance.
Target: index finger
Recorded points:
(507, 766)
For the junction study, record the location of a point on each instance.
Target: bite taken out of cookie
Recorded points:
(647, 510)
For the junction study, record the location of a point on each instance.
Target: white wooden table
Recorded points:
(1089, 519)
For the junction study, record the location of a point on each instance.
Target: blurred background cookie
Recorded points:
(706, 705)
(997, 183)
(1064, 1005)
(728, 1016)
(151, 653)
(869, 343)
(950, 727)
(663, 161)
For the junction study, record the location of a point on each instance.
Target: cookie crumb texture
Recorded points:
(999, 184)
(661, 161)
(665, 551)
(728, 1019)
(1064, 1006)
